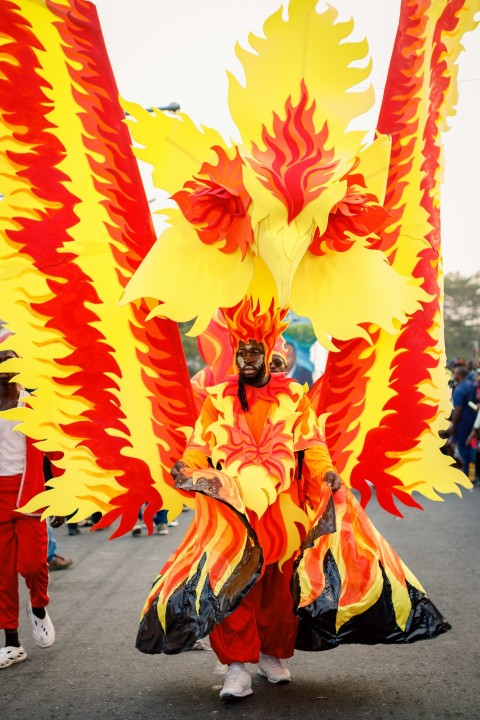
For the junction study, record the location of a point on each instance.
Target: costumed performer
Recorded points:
(271, 465)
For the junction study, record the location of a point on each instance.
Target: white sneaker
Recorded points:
(9, 655)
(42, 629)
(274, 669)
(237, 683)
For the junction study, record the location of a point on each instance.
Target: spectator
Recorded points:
(23, 538)
(463, 415)
(295, 369)
(278, 364)
(160, 521)
(55, 561)
(472, 440)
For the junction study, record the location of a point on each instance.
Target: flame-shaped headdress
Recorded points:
(246, 322)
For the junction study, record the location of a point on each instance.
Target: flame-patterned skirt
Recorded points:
(348, 584)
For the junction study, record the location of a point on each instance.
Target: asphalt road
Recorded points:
(94, 671)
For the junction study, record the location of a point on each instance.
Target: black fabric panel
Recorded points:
(183, 625)
(316, 630)
(376, 625)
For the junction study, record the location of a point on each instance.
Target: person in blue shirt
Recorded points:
(296, 369)
(463, 415)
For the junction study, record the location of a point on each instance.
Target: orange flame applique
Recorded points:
(216, 203)
(246, 322)
(218, 545)
(215, 348)
(296, 166)
(274, 452)
(342, 390)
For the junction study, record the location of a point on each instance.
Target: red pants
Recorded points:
(23, 550)
(263, 622)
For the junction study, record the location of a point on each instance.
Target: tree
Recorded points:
(190, 348)
(461, 316)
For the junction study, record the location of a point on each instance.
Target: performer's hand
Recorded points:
(177, 474)
(333, 480)
(56, 521)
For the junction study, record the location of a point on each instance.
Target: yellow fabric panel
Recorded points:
(332, 291)
(253, 105)
(191, 279)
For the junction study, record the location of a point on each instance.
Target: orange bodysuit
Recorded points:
(262, 444)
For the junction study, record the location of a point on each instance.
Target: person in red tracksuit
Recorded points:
(23, 538)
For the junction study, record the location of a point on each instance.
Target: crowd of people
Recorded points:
(463, 432)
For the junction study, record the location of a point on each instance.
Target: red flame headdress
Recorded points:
(246, 322)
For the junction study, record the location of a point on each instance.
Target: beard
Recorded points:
(255, 381)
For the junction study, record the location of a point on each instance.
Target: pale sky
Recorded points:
(178, 50)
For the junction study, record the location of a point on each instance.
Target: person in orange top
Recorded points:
(259, 630)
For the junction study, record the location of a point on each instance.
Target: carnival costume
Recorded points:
(339, 224)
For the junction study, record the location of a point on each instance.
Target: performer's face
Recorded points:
(250, 359)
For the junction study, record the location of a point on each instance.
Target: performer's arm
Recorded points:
(317, 457)
(319, 463)
(197, 451)
(475, 432)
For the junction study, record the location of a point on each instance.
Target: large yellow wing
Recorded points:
(111, 390)
(389, 399)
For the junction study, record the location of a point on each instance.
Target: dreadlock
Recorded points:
(242, 395)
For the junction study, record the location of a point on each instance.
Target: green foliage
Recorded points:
(190, 348)
(302, 334)
(461, 316)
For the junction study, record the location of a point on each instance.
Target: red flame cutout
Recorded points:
(296, 166)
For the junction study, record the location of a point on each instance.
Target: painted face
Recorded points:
(277, 364)
(250, 359)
